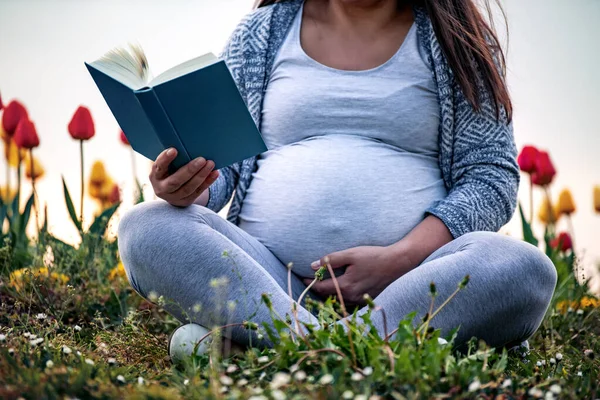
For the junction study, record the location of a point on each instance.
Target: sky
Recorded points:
(552, 75)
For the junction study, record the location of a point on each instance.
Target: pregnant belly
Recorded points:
(330, 193)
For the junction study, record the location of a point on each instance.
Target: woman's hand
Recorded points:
(184, 186)
(370, 269)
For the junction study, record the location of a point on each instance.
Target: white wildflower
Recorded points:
(78, 353)
(367, 371)
(89, 362)
(41, 316)
(507, 383)
(140, 380)
(280, 379)
(231, 369)
(570, 310)
(262, 376)
(112, 361)
(580, 312)
(579, 373)
(223, 389)
(442, 341)
(11, 351)
(536, 393)
(278, 395)
(474, 386)
(246, 372)
(2, 337)
(539, 363)
(153, 296)
(360, 397)
(77, 328)
(226, 380)
(543, 362)
(556, 389)
(32, 336)
(294, 368)
(37, 341)
(260, 397)
(549, 396)
(356, 376)
(196, 308)
(559, 356)
(186, 382)
(347, 395)
(375, 397)
(242, 382)
(263, 359)
(326, 379)
(552, 361)
(49, 364)
(26, 334)
(67, 350)
(300, 376)
(121, 378)
(260, 336)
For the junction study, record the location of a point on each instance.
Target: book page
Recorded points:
(128, 65)
(185, 68)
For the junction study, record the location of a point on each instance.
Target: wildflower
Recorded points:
(89, 362)
(360, 397)
(41, 316)
(556, 389)
(26, 334)
(186, 382)
(589, 353)
(12, 115)
(357, 376)
(196, 308)
(559, 356)
(300, 376)
(263, 359)
(326, 379)
(26, 136)
(526, 159)
(280, 379)
(367, 371)
(2, 337)
(579, 373)
(37, 341)
(579, 312)
(153, 296)
(536, 392)
(231, 369)
(565, 205)
(226, 380)
(597, 198)
(552, 361)
(49, 364)
(278, 395)
(539, 363)
(544, 170)
(11, 351)
(121, 378)
(442, 341)
(348, 394)
(38, 169)
(140, 380)
(77, 328)
(117, 272)
(78, 353)
(19, 277)
(242, 382)
(112, 361)
(562, 243)
(474, 386)
(81, 126)
(123, 138)
(507, 383)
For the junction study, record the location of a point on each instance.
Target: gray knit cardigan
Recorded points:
(477, 150)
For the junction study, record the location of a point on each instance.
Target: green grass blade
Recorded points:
(527, 231)
(100, 224)
(71, 208)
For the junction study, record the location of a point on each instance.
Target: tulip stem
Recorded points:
(33, 176)
(571, 230)
(7, 182)
(19, 180)
(82, 188)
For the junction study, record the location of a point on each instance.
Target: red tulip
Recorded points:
(81, 126)
(527, 159)
(562, 243)
(26, 136)
(544, 170)
(12, 115)
(124, 138)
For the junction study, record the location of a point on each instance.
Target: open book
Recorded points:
(195, 107)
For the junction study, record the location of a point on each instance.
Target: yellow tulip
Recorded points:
(98, 175)
(38, 169)
(7, 194)
(117, 272)
(565, 205)
(546, 213)
(11, 153)
(597, 198)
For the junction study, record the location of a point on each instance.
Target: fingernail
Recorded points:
(315, 264)
(170, 152)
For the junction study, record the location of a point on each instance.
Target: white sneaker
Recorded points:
(184, 340)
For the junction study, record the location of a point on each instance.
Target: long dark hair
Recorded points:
(471, 47)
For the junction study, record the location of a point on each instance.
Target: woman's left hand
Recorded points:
(369, 269)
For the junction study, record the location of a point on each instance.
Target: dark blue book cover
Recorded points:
(195, 107)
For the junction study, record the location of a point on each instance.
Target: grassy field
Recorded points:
(72, 327)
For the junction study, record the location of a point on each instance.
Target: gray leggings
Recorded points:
(181, 254)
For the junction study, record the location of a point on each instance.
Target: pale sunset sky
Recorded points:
(553, 61)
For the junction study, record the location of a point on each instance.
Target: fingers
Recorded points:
(173, 183)
(160, 169)
(336, 260)
(197, 185)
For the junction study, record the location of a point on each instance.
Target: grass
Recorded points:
(78, 330)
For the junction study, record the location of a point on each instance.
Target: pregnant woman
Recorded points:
(390, 150)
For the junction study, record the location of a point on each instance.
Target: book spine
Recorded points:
(162, 125)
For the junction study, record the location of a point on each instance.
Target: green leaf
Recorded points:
(45, 226)
(100, 224)
(24, 218)
(71, 208)
(527, 231)
(140, 192)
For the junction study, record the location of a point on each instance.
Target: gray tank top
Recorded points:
(352, 155)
